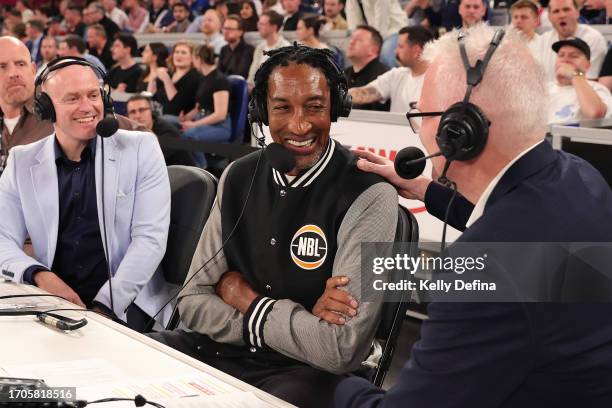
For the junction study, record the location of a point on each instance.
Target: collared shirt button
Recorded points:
(268, 287)
(283, 193)
(252, 349)
(273, 241)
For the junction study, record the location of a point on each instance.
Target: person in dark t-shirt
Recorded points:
(125, 74)
(209, 120)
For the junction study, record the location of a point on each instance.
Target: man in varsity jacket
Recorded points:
(279, 306)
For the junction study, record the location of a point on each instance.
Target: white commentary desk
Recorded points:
(105, 359)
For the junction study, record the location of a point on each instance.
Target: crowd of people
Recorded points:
(290, 322)
(382, 61)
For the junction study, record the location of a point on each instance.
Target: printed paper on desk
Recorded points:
(75, 373)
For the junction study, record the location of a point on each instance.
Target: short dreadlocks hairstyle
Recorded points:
(322, 59)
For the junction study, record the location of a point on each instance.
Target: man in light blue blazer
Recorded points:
(52, 191)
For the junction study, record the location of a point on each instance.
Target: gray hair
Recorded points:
(513, 92)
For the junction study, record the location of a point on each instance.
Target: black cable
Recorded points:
(32, 295)
(452, 185)
(139, 401)
(108, 261)
(222, 245)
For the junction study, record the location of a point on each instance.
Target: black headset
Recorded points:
(464, 128)
(43, 106)
(341, 101)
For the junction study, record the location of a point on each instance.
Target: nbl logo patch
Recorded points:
(309, 247)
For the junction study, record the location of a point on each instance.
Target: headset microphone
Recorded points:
(107, 127)
(279, 157)
(410, 162)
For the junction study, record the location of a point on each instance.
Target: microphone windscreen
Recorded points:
(107, 126)
(280, 158)
(405, 166)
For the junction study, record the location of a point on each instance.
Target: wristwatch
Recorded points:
(578, 73)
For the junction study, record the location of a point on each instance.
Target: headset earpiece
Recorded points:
(464, 128)
(463, 131)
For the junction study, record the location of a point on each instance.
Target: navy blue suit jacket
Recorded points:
(514, 354)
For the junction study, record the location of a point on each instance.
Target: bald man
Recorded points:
(18, 123)
(51, 191)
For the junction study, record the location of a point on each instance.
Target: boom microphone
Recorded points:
(107, 126)
(410, 162)
(279, 157)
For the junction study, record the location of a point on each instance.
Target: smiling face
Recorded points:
(299, 112)
(75, 93)
(16, 73)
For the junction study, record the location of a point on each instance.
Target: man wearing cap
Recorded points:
(564, 16)
(572, 95)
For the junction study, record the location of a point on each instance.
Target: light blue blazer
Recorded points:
(137, 206)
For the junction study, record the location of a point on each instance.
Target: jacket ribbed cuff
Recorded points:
(255, 319)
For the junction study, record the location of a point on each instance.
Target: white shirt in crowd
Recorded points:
(384, 15)
(564, 106)
(259, 57)
(119, 17)
(590, 35)
(534, 46)
(400, 86)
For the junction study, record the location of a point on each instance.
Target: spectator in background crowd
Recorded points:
(333, 16)
(596, 11)
(138, 17)
(403, 85)
(249, 16)
(307, 32)
(43, 14)
(115, 13)
(99, 45)
(524, 17)
(292, 14)
(572, 95)
(180, 12)
(363, 52)
(24, 8)
(48, 50)
(97, 16)
(35, 30)
(54, 27)
(140, 109)
(175, 87)
(235, 57)
(564, 15)
(209, 120)
(12, 18)
(386, 16)
(154, 55)
(211, 25)
(73, 20)
(19, 125)
(472, 12)
(269, 25)
(124, 76)
(74, 46)
(160, 16)
(19, 31)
